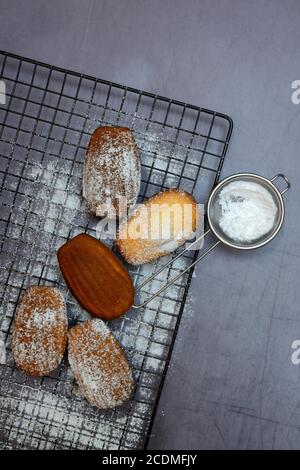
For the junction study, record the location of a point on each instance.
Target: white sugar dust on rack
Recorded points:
(2, 352)
(248, 211)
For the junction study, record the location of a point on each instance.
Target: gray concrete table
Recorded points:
(231, 383)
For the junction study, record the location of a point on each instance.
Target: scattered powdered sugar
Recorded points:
(2, 352)
(41, 319)
(57, 422)
(248, 211)
(100, 327)
(72, 421)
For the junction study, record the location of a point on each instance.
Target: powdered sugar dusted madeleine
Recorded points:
(40, 330)
(158, 226)
(112, 170)
(99, 364)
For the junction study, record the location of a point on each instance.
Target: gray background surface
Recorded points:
(231, 383)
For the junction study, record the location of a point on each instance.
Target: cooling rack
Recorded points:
(46, 123)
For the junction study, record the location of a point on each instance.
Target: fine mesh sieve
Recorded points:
(214, 215)
(214, 210)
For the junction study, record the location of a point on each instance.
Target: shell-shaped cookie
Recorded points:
(157, 227)
(99, 364)
(40, 330)
(112, 171)
(96, 277)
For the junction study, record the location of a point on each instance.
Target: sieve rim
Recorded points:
(256, 178)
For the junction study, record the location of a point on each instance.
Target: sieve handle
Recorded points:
(174, 279)
(281, 175)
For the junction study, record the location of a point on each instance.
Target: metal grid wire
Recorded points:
(46, 124)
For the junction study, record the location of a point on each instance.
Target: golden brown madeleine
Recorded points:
(40, 330)
(157, 227)
(99, 364)
(112, 169)
(96, 277)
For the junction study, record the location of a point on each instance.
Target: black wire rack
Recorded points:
(46, 121)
